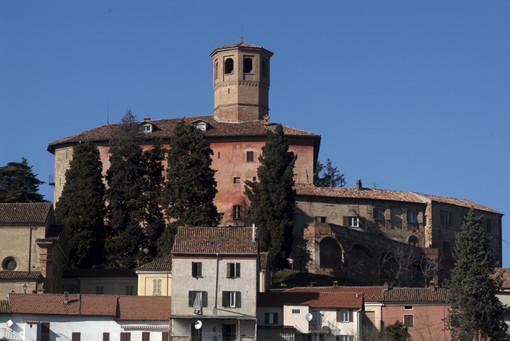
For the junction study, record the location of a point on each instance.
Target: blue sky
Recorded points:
(407, 95)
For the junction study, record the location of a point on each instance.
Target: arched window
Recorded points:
(247, 65)
(331, 254)
(229, 65)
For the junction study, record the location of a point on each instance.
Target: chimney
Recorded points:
(359, 186)
(146, 119)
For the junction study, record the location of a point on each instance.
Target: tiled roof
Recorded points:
(4, 307)
(312, 299)
(210, 240)
(505, 277)
(415, 295)
(240, 44)
(371, 294)
(383, 194)
(120, 307)
(165, 128)
(115, 272)
(144, 308)
(24, 213)
(160, 264)
(20, 275)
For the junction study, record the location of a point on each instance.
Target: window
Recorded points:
(254, 179)
(247, 65)
(164, 336)
(197, 299)
(106, 336)
(379, 214)
(130, 290)
(445, 218)
(156, 287)
(146, 336)
(196, 269)
(271, 318)
(231, 299)
(233, 270)
(409, 321)
(344, 315)
(353, 222)
(99, 290)
(45, 331)
(296, 311)
(237, 180)
(75, 336)
(201, 126)
(216, 69)
(344, 337)
(319, 219)
(9, 264)
(147, 128)
(237, 212)
(125, 336)
(412, 217)
(249, 156)
(229, 66)
(219, 155)
(408, 307)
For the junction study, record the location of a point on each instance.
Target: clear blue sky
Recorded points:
(407, 95)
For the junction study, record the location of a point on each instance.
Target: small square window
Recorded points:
(296, 311)
(353, 222)
(408, 307)
(237, 180)
(147, 128)
(254, 179)
(379, 214)
(249, 156)
(409, 321)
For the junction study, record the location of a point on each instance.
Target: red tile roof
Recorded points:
(144, 308)
(160, 264)
(24, 213)
(415, 295)
(211, 240)
(119, 307)
(371, 293)
(312, 299)
(383, 194)
(165, 128)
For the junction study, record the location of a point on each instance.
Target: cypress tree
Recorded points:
(476, 312)
(273, 197)
(81, 207)
(190, 185)
(18, 183)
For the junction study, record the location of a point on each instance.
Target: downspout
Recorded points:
(215, 310)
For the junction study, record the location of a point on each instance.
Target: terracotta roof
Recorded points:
(383, 194)
(120, 307)
(115, 272)
(165, 128)
(312, 299)
(160, 264)
(24, 213)
(144, 308)
(19, 275)
(415, 295)
(211, 240)
(505, 277)
(371, 294)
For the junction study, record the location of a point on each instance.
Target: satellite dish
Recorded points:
(198, 325)
(309, 317)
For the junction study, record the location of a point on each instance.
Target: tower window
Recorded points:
(216, 69)
(247, 65)
(229, 65)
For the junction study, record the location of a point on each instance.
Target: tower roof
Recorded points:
(241, 45)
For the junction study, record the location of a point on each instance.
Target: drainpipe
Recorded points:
(215, 310)
(30, 247)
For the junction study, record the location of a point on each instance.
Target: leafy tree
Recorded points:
(190, 185)
(476, 312)
(395, 332)
(327, 175)
(81, 207)
(18, 183)
(273, 198)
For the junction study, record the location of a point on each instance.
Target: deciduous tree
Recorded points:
(272, 198)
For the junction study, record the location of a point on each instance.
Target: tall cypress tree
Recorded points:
(18, 183)
(476, 311)
(190, 185)
(81, 207)
(273, 198)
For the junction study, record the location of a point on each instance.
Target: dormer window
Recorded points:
(147, 128)
(201, 125)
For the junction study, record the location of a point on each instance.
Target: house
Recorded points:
(155, 278)
(78, 317)
(503, 293)
(311, 315)
(32, 249)
(346, 229)
(236, 131)
(100, 281)
(421, 310)
(214, 283)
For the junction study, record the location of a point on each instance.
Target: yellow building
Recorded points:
(155, 278)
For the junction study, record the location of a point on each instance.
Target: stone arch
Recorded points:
(413, 240)
(229, 66)
(331, 253)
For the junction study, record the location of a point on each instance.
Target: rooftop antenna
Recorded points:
(108, 113)
(241, 33)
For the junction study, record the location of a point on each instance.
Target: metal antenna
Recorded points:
(108, 113)
(241, 33)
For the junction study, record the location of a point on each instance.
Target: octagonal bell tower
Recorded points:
(241, 82)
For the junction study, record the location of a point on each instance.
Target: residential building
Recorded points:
(155, 278)
(214, 283)
(32, 249)
(100, 281)
(78, 317)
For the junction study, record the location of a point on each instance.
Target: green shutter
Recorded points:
(199, 269)
(238, 269)
(229, 270)
(190, 298)
(238, 299)
(225, 298)
(204, 298)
